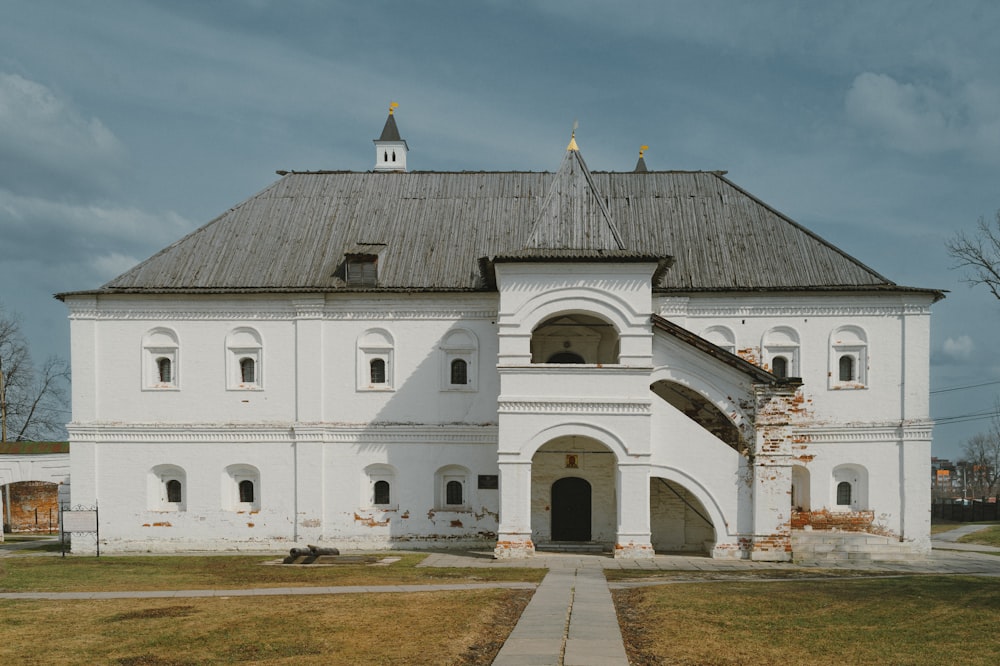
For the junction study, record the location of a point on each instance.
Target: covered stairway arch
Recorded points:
(725, 424)
(678, 520)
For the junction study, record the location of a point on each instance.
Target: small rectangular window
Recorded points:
(361, 270)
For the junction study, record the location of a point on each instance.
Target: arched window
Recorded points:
(459, 372)
(565, 357)
(382, 492)
(377, 371)
(844, 493)
(848, 358)
(385, 155)
(451, 483)
(453, 492)
(850, 487)
(244, 359)
(394, 156)
(174, 494)
(246, 491)
(375, 360)
(241, 488)
(161, 353)
(380, 479)
(247, 375)
(166, 488)
(460, 356)
(846, 368)
(163, 370)
(781, 342)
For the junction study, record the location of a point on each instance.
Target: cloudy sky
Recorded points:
(126, 124)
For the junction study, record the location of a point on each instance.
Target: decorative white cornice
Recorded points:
(270, 433)
(596, 406)
(682, 309)
(395, 314)
(281, 314)
(914, 431)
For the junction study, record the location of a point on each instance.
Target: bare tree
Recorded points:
(982, 461)
(33, 400)
(979, 254)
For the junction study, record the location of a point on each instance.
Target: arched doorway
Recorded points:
(571, 509)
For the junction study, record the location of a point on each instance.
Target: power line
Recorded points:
(962, 388)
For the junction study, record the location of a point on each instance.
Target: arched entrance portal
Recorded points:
(571, 509)
(573, 494)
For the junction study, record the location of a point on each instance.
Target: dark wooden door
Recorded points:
(571, 510)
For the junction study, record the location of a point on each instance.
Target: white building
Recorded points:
(641, 360)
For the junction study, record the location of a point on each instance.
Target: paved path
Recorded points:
(571, 619)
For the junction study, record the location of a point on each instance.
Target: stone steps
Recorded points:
(572, 547)
(833, 546)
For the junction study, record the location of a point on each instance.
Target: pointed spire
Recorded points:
(572, 138)
(390, 148)
(640, 166)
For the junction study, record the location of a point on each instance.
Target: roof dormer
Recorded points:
(390, 149)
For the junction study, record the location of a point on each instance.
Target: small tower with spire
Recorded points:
(640, 166)
(390, 149)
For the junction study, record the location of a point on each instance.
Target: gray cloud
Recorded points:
(920, 119)
(47, 145)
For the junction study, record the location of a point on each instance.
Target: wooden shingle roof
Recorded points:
(433, 229)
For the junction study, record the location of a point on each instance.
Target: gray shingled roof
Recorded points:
(435, 227)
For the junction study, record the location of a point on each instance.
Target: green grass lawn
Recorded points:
(988, 537)
(910, 620)
(116, 573)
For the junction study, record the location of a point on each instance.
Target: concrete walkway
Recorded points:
(571, 618)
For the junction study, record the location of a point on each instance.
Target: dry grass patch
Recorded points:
(465, 627)
(126, 573)
(907, 620)
(654, 575)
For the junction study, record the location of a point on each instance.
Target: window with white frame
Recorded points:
(780, 351)
(850, 487)
(244, 356)
(452, 488)
(459, 353)
(160, 360)
(166, 488)
(721, 336)
(241, 488)
(375, 361)
(380, 487)
(848, 358)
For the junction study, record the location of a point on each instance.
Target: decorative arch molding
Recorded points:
(720, 396)
(780, 351)
(574, 429)
(379, 487)
(856, 478)
(160, 359)
(578, 300)
(244, 359)
(375, 360)
(692, 485)
(241, 488)
(721, 336)
(848, 357)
